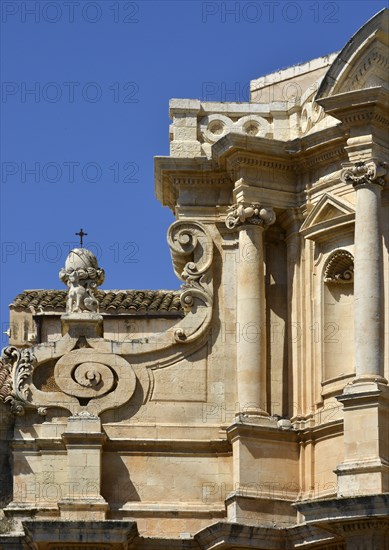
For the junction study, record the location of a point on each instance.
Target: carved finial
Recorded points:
(362, 173)
(238, 214)
(82, 275)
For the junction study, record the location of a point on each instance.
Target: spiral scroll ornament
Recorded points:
(192, 253)
(362, 173)
(86, 373)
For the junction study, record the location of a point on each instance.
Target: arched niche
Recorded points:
(338, 315)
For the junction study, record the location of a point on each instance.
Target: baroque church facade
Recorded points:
(250, 408)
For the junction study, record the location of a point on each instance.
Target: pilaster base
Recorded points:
(116, 535)
(365, 469)
(265, 472)
(252, 509)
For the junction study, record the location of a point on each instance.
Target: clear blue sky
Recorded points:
(103, 73)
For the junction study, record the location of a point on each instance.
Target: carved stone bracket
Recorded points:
(255, 214)
(16, 368)
(363, 173)
(339, 268)
(192, 253)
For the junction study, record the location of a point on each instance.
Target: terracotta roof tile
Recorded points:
(111, 301)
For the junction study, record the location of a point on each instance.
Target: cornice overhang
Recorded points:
(224, 535)
(297, 154)
(269, 149)
(273, 166)
(369, 105)
(172, 174)
(327, 512)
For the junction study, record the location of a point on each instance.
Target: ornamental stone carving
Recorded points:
(339, 268)
(215, 126)
(82, 275)
(16, 367)
(192, 253)
(105, 379)
(84, 380)
(362, 173)
(254, 214)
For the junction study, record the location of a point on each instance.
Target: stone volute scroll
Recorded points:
(86, 377)
(363, 173)
(191, 248)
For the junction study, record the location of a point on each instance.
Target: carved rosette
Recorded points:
(16, 368)
(363, 173)
(255, 214)
(192, 253)
(339, 268)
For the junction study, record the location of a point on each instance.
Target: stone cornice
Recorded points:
(272, 152)
(266, 430)
(328, 511)
(359, 106)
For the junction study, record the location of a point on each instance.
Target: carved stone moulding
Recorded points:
(339, 268)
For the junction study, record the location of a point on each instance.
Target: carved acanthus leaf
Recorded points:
(16, 368)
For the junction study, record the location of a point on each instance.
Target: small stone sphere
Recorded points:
(80, 258)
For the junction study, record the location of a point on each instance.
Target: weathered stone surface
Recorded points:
(250, 409)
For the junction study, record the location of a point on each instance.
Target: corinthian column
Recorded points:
(251, 314)
(366, 177)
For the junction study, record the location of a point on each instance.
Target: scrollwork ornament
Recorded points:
(255, 214)
(192, 253)
(16, 368)
(363, 173)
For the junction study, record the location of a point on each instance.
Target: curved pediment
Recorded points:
(363, 62)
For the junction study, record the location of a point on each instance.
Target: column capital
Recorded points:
(363, 173)
(241, 214)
